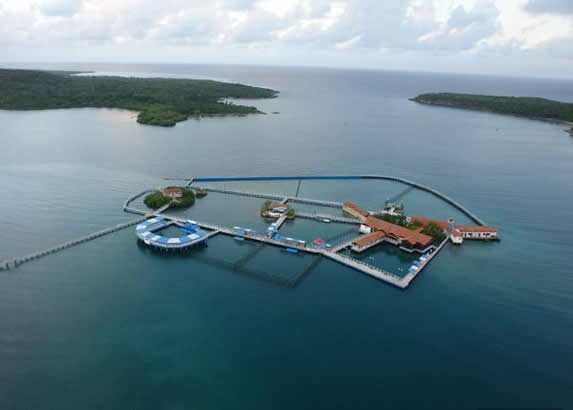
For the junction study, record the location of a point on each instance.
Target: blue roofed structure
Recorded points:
(146, 233)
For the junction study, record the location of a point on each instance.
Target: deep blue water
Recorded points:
(112, 325)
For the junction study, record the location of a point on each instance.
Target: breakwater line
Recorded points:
(432, 191)
(134, 197)
(405, 181)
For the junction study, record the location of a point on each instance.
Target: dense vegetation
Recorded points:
(522, 106)
(435, 232)
(265, 207)
(156, 199)
(290, 213)
(398, 220)
(159, 101)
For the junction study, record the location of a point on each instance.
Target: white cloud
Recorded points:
(59, 7)
(352, 32)
(550, 6)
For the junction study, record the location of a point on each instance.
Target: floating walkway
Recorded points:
(15, 262)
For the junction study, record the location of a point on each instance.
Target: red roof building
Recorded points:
(355, 210)
(172, 192)
(427, 221)
(367, 241)
(399, 234)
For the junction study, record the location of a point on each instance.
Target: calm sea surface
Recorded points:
(112, 325)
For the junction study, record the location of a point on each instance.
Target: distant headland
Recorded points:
(530, 107)
(159, 101)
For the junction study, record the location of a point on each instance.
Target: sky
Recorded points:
(506, 37)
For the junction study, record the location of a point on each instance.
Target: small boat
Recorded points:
(238, 238)
(326, 220)
(291, 250)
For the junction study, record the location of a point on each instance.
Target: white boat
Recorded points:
(326, 220)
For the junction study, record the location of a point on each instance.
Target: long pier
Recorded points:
(17, 261)
(14, 262)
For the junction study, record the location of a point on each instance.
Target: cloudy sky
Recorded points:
(512, 37)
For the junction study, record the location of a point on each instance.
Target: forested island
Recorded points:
(159, 101)
(530, 107)
(176, 197)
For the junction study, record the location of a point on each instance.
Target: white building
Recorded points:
(477, 232)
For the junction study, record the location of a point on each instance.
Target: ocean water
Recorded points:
(113, 325)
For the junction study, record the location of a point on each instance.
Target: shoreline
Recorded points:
(161, 102)
(568, 124)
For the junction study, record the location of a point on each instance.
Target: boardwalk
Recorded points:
(19, 260)
(280, 221)
(332, 218)
(342, 246)
(368, 269)
(14, 262)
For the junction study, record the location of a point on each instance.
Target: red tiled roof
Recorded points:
(426, 221)
(171, 191)
(404, 234)
(367, 239)
(356, 208)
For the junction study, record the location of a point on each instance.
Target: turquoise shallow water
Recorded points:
(110, 324)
